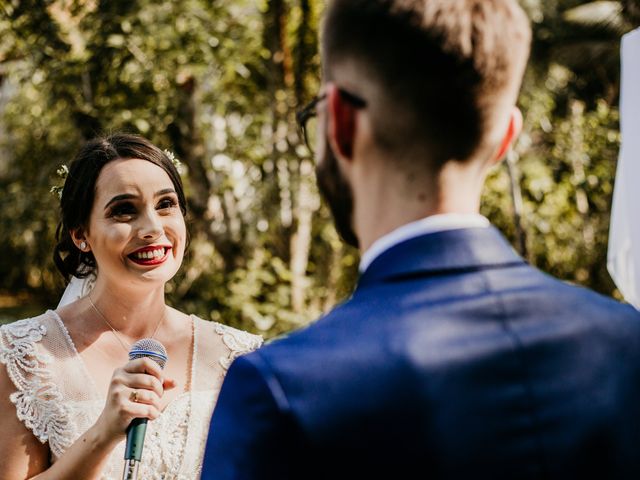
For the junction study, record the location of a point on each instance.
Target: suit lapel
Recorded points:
(461, 250)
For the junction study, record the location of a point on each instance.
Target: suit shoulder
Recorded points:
(322, 327)
(561, 306)
(591, 299)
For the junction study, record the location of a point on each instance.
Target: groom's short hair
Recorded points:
(446, 71)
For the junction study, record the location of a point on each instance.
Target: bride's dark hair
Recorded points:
(78, 193)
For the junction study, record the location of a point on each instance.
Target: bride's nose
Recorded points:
(150, 225)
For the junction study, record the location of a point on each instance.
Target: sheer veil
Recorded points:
(623, 259)
(76, 289)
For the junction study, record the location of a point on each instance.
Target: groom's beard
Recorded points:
(336, 190)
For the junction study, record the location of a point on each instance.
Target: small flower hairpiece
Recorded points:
(62, 172)
(172, 156)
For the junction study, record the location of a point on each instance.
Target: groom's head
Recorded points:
(435, 83)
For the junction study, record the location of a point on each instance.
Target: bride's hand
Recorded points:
(135, 391)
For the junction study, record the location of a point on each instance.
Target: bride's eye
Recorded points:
(122, 211)
(167, 203)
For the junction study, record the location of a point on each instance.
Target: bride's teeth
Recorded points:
(150, 254)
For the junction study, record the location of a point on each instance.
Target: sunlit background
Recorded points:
(218, 82)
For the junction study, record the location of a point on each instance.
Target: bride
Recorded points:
(68, 390)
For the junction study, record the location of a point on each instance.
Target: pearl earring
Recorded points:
(83, 246)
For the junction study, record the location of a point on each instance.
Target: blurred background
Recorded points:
(218, 82)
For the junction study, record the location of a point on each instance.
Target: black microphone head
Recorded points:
(149, 348)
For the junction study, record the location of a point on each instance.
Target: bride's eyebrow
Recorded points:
(117, 198)
(129, 196)
(165, 192)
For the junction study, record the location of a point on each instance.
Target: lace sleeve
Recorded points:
(37, 398)
(238, 342)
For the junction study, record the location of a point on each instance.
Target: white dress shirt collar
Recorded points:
(432, 224)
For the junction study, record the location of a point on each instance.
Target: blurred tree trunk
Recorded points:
(296, 194)
(303, 52)
(274, 42)
(578, 158)
(306, 201)
(511, 163)
(190, 149)
(301, 239)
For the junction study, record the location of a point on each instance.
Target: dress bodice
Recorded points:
(56, 397)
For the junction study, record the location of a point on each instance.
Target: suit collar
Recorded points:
(431, 224)
(453, 250)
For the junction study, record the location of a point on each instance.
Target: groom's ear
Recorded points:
(514, 127)
(342, 123)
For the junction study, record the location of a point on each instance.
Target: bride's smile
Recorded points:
(152, 255)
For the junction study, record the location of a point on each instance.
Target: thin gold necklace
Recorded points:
(124, 344)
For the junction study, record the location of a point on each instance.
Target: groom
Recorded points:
(453, 359)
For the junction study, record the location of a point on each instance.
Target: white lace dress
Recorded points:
(57, 399)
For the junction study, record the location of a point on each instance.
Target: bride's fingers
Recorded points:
(169, 383)
(145, 397)
(144, 365)
(142, 410)
(143, 382)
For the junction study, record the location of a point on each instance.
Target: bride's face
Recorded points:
(136, 230)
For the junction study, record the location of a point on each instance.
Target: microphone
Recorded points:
(153, 349)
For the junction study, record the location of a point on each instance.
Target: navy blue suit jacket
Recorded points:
(453, 359)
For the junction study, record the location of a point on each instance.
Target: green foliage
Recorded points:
(218, 83)
(567, 167)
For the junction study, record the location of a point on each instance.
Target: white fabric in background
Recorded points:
(623, 259)
(76, 289)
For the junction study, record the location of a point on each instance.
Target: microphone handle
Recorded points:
(133, 453)
(130, 470)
